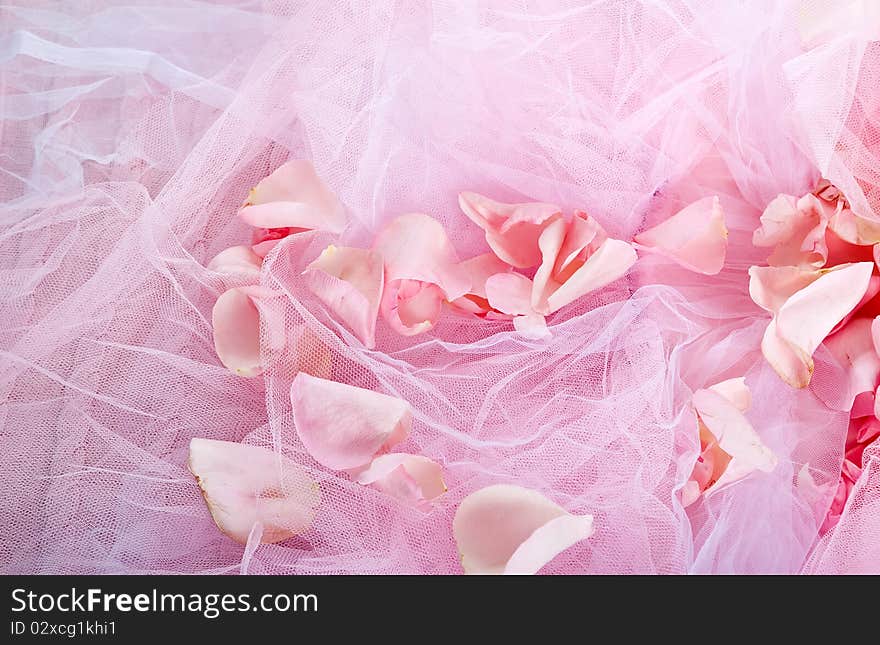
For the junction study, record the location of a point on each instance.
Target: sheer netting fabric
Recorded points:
(132, 133)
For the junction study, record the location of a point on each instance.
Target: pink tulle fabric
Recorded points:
(132, 134)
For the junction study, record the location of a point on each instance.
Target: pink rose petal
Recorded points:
(577, 257)
(734, 435)
(421, 271)
(236, 322)
(770, 287)
(796, 228)
(237, 259)
(498, 529)
(350, 282)
(809, 315)
(294, 196)
(736, 391)
(695, 237)
(512, 230)
(345, 427)
(547, 542)
(244, 485)
(413, 479)
(607, 264)
(853, 347)
(511, 293)
(478, 270)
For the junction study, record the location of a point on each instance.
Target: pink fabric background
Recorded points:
(131, 132)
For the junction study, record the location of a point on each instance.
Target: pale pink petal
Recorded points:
(793, 366)
(690, 493)
(237, 259)
(493, 523)
(854, 228)
(413, 479)
(853, 347)
(294, 196)
(734, 435)
(532, 326)
(421, 271)
(512, 230)
(345, 427)
(610, 261)
(236, 322)
(510, 293)
(796, 228)
(872, 290)
(547, 542)
(809, 315)
(695, 237)
(415, 247)
(350, 282)
(770, 287)
(550, 244)
(736, 391)
(478, 270)
(244, 485)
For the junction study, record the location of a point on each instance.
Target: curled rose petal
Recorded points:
(413, 479)
(731, 449)
(350, 281)
(236, 322)
(421, 271)
(511, 293)
(345, 427)
(236, 259)
(695, 237)
(512, 230)
(243, 485)
(577, 258)
(807, 317)
(479, 269)
(514, 530)
(796, 229)
(294, 197)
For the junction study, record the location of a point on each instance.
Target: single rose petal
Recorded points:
(809, 315)
(736, 391)
(793, 366)
(421, 271)
(413, 479)
(853, 347)
(610, 261)
(770, 287)
(796, 228)
(512, 230)
(735, 436)
(547, 542)
(695, 237)
(511, 293)
(237, 259)
(236, 322)
(294, 196)
(479, 269)
(350, 281)
(243, 485)
(345, 427)
(498, 529)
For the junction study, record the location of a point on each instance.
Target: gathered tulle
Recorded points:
(132, 136)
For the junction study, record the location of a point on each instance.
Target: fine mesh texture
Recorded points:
(131, 132)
